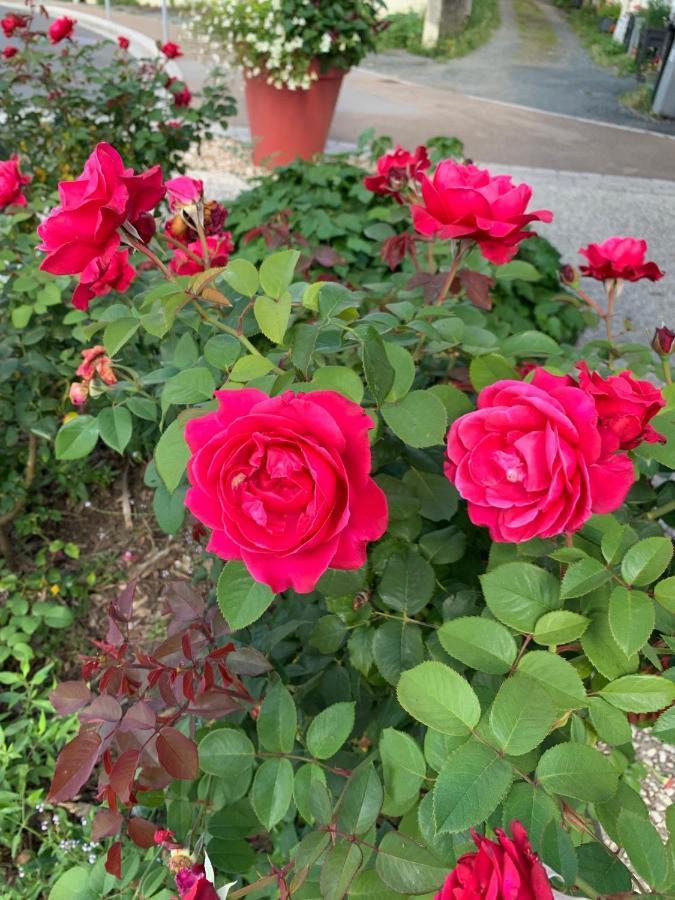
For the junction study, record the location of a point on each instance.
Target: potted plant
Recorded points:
(294, 54)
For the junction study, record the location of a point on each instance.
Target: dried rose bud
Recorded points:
(214, 217)
(179, 230)
(663, 339)
(568, 274)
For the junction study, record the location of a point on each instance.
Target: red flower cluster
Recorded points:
(9, 52)
(463, 202)
(11, 183)
(507, 870)
(82, 235)
(538, 459)
(171, 50)
(398, 172)
(95, 362)
(13, 22)
(60, 29)
(619, 259)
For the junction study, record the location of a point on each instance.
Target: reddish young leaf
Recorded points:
(106, 823)
(142, 832)
(139, 717)
(178, 754)
(477, 287)
(122, 606)
(214, 704)
(113, 861)
(102, 709)
(74, 766)
(69, 696)
(122, 776)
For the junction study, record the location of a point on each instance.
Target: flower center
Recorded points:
(511, 464)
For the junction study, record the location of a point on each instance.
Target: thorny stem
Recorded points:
(146, 251)
(452, 271)
(609, 315)
(594, 306)
(174, 242)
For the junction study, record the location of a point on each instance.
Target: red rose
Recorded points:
(171, 50)
(625, 406)
(123, 42)
(81, 236)
(530, 460)
(96, 362)
(9, 52)
(182, 98)
(220, 246)
(193, 884)
(619, 258)
(184, 191)
(60, 29)
(12, 22)
(11, 183)
(467, 203)
(101, 279)
(397, 171)
(662, 342)
(284, 483)
(508, 870)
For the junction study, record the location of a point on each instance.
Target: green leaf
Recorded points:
(227, 753)
(249, 367)
(306, 778)
(664, 727)
(277, 721)
(77, 438)
(21, 316)
(470, 786)
(490, 367)
(404, 371)
(378, 370)
(369, 886)
(397, 646)
(169, 509)
(517, 270)
(272, 791)
(339, 868)
(438, 497)
(439, 697)
(615, 543)
(404, 770)
(330, 729)
(521, 716)
(599, 645)
(273, 316)
(603, 871)
(559, 627)
(276, 272)
(610, 724)
(631, 618)
(640, 693)
(577, 771)
(72, 885)
(143, 408)
(664, 594)
(328, 634)
(583, 577)
(647, 560)
(241, 599)
(456, 402)
(532, 807)
(519, 594)
(242, 275)
(408, 582)
(189, 386)
(361, 801)
(480, 643)
(407, 867)
(310, 848)
(341, 379)
(558, 678)
(557, 851)
(171, 456)
(118, 332)
(115, 427)
(530, 343)
(419, 420)
(222, 350)
(643, 845)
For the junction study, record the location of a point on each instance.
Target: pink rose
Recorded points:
(220, 246)
(96, 362)
(397, 171)
(78, 393)
(9, 52)
(467, 203)
(182, 98)
(619, 258)
(60, 29)
(102, 278)
(81, 236)
(530, 460)
(184, 191)
(123, 42)
(284, 483)
(193, 884)
(11, 22)
(625, 406)
(11, 183)
(171, 50)
(508, 870)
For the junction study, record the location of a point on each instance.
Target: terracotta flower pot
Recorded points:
(289, 124)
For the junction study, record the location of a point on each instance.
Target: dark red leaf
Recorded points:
(477, 287)
(69, 696)
(139, 717)
(122, 606)
(431, 284)
(106, 823)
(185, 603)
(214, 704)
(113, 861)
(74, 766)
(113, 635)
(188, 685)
(122, 776)
(166, 691)
(178, 754)
(142, 832)
(102, 709)
(186, 645)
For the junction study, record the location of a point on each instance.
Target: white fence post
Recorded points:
(165, 22)
(108, 13)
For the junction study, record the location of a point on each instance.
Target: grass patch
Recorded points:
(405, 33)
(603, 48)
(535, 28)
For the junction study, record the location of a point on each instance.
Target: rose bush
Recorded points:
(368, 668)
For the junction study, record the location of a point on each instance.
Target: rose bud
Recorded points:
(568, 275)
(79, 391)
(123, 42)
(214, 217)
(9, 52)
(184, 191)
(145, 226)
(171, 50)
(662, 342)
